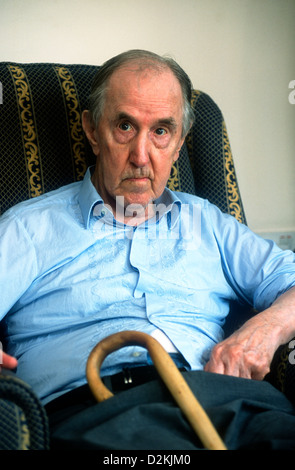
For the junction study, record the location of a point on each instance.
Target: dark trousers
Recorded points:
(247, 414)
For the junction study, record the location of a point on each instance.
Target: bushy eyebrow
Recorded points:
(169, 122)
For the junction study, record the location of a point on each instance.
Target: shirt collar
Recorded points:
(89, 198)
(168, 202)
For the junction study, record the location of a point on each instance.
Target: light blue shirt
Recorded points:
(71, 275)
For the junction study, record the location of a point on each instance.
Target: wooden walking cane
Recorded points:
(169, 373)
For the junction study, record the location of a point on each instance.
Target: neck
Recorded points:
(132, 214)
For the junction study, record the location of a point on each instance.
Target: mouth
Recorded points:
(137, 184)
(140, 178)
(137, 179)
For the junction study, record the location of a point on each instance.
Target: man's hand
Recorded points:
(246, 353)
(249, 351)
(8, 362)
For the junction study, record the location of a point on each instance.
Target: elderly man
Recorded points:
(117, 252)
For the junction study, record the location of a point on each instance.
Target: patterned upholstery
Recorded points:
(23, 421)
(43, 145)
(282, 371)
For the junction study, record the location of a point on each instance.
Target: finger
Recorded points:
(8, 362)
(215, 367)
(227, 366)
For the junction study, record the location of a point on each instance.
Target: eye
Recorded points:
(161, 131)
(125, 126)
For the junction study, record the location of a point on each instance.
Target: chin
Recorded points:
(138, 198)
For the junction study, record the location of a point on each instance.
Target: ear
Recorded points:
(90, 131)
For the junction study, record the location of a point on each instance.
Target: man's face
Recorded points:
(138, 136)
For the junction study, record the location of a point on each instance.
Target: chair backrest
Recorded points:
(42, 144)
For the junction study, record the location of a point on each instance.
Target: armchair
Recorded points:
(43, 147)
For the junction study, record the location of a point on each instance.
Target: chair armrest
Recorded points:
(282, 370)
(23, 420)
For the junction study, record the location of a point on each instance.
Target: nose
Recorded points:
(140, 150)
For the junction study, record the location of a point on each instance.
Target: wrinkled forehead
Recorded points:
(155, 81)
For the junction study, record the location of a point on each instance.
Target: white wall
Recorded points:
(241, 52)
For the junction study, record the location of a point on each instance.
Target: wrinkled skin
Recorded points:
(249, 351)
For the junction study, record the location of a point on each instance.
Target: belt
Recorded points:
(128, 378)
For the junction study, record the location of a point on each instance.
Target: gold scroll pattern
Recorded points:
(173, 181)
(28, 129)
(282, 367)
(231, 183)
(74, 121)
(25, 433)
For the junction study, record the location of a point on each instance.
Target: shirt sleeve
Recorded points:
(17, 261)
(257, 269)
